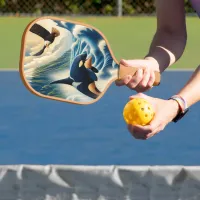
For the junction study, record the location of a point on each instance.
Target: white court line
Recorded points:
(8, 69)
(181, 69)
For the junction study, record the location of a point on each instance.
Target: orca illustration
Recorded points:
(46, 35)
(82, 76)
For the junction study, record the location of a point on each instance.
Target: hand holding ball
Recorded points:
(138, 111)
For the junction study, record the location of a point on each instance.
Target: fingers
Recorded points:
(151, 79)
(142, 133)
(146, 132)
(136, 79)
(124, 81)
(135, 134)
(142, 81)
(147, 81)
(146, 77)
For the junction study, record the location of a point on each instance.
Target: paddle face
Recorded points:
(66, 61)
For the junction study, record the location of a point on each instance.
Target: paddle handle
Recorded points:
(128, 70)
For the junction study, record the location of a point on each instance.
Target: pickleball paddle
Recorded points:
(69, 61)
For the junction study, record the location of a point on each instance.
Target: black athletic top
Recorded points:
(196, 6)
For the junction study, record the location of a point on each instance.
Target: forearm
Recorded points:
(166, 48)
(169, 41)
(191, 91)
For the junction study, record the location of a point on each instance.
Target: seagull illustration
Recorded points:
(46, 35)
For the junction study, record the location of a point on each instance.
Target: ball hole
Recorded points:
(142, 109)
(146, 115)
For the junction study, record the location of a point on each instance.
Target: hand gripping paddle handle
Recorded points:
(128, 70)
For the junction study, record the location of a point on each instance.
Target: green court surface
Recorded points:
(129, 38)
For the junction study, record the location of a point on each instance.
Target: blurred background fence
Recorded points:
(80, 7)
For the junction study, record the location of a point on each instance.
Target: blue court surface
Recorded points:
(35, 130)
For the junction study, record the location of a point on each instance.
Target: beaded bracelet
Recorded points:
(182, 106)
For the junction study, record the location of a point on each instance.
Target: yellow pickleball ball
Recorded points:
(138, 111)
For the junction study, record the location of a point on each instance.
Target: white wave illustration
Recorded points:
(78, 29)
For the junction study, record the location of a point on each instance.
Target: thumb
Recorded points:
(138, 95)
(155, 123)
(133, 63)
(155, 127)
(125, 62)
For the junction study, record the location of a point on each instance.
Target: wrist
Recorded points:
(154, 63)
(176, 108)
